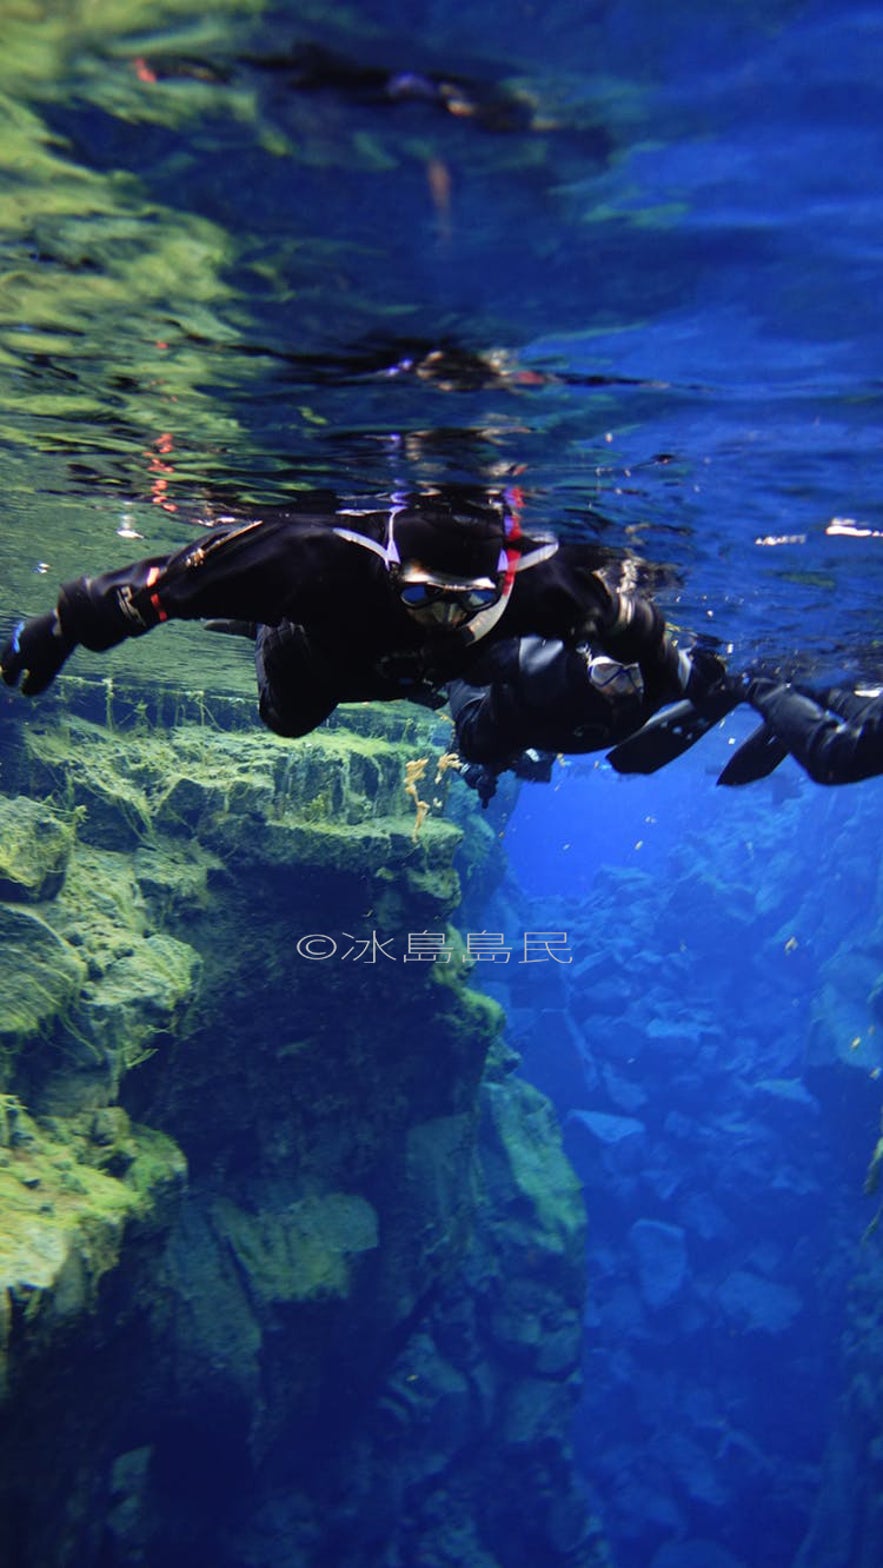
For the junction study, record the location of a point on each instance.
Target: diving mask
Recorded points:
(437, 599)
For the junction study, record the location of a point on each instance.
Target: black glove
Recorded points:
(756, 687)
(709, 684)
(37, 649)
(535, 766)
(482, 779)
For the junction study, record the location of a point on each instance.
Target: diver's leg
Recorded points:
(832, 751)
(840, 700)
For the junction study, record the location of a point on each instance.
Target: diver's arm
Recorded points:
(534, 694)
(637, 633)
(478, 735)
(517, 693)
(567, 598)
(253, 571)
(242, 570)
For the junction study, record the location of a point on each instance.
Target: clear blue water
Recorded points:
(676, 267)
(710, 935)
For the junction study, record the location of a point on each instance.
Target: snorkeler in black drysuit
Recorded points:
(531, 698)
(351, 605)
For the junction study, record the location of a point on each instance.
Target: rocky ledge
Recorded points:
(292, 1267)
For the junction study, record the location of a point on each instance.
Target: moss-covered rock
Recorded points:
(65, 1219)
(302, 1252)
(40, 976)
(360, 1245)
(121, 1015)
(35, 846)
(335, 800)
(90, 979)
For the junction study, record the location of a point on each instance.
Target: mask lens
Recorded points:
(480, 598)
(418, 596)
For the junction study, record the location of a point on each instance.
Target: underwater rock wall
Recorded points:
(845, 1062)
(292, 1266)
(846, 1525)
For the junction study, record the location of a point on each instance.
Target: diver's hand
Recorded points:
(535, 766)
(481, 778)
(708, 682)
(756, 687)
(36, 650)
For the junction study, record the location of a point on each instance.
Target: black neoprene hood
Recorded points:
(455, 543)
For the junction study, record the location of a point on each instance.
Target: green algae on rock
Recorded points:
(303, 1252)
(40, 975)
(359, 1190)
(35, 846)
(65, 1219)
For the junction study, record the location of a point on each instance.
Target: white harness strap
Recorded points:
(388, 552)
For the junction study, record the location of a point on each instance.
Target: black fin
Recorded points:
(668, 735)
(756, 758)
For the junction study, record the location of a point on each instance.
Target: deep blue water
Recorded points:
(714, 943)
(673, 258)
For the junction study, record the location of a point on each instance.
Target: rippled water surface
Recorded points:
(633, 259)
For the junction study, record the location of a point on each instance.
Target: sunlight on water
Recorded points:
(229, 264)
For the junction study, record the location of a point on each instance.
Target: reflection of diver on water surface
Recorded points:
(448, 366)
(311, 68)
(442, 364)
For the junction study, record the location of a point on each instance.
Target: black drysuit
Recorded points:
(538, 694)
(331, 625)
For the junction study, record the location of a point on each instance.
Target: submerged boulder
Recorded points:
(65, 1215)
(35, 846)
(40, 975)
(757, 1305)
(660, 1253)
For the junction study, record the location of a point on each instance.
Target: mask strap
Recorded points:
(543, 552)
(512, 559)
